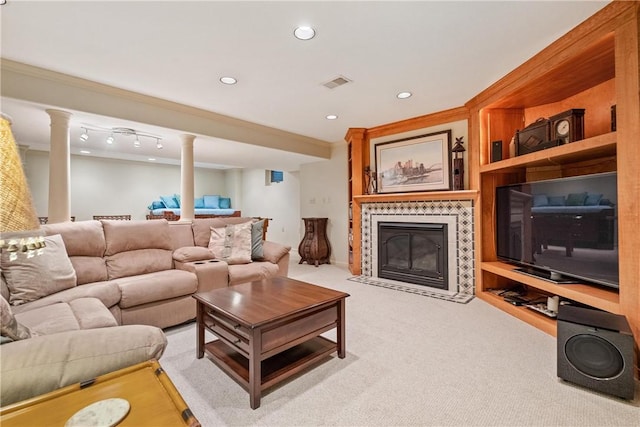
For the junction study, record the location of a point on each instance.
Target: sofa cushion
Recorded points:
(31, 278)
(202, 227)
(141, 261)
(192, 253)
(232, 243)
(9, 326)
(85, 244)
(145, 288)
(122, 236)
(107, 292)
(82, 238)
(251, 272)
(198, 203)
(89, 269)
(50, 319)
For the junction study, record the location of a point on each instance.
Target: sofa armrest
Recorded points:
(45, 363)
(211, 274)
(273, 252)
(192, 254)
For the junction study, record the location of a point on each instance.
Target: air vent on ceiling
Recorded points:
(338, 81)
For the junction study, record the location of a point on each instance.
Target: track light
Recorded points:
(121, 131)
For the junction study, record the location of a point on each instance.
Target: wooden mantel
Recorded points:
(412, 197)
(356, 267)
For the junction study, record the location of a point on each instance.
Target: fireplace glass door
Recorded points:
(413, 253)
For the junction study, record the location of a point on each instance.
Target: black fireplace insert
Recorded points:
(413, 253)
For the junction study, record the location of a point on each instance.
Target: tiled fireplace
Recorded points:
(457, 215)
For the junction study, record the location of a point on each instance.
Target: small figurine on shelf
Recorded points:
(370, 184)
(458, 164)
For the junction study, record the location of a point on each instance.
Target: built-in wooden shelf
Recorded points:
(594, 296)
(595, 147)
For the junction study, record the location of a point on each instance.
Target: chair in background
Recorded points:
(45, 219)
(117, 217)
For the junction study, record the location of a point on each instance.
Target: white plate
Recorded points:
(104, 413)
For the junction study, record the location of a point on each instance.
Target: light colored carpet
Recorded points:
(411, 360)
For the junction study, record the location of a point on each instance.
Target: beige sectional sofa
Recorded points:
(107, 274)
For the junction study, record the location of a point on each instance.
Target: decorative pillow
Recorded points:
(192, 253)
(556, 200)
(540, 200)
(576, 199)
(224, 203)
(605, 202)
(198, 202)
(211, 202)
(169, 202)
(32, 278)
(156, 204)
(177, 198)
(257, 230)
(9, 326)
(593, 199)
(232, 243)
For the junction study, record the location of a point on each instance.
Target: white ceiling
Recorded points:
(444, 52)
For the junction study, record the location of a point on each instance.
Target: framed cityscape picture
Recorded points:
(418, 163)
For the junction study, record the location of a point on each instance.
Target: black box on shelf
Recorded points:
(535, 137)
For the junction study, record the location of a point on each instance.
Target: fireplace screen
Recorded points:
(413, 253)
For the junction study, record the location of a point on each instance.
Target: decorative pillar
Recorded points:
(186, 179)
(59, 167)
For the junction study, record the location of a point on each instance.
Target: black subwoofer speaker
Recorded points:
(595, 350)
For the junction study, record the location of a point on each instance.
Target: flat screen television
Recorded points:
(564, 230)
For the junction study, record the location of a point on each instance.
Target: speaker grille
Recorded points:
(594, 356)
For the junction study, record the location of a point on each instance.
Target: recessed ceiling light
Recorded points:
(332, 117)
(404, 95)
(228, 80)
(85, 152)
(151, 159)
(304, 33)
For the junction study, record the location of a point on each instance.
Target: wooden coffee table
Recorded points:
(269, 330)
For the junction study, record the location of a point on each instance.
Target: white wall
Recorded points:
(102, 186)
(324, 194)
(278, 201)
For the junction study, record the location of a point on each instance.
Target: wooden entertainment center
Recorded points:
(595, 66)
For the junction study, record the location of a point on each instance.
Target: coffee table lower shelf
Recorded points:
(276, 368)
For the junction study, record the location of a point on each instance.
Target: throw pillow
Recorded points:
(177, 198)
(198, 202)
(540, 200)
(576, 199)
(169, 202)
(556, 200)
(225, 203)
(211, 202)
(593, 200)
(257, 230)
(232, 243)
(9, 326)
(156, 204)
(32, 278)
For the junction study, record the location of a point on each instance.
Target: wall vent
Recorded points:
(338, 81)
